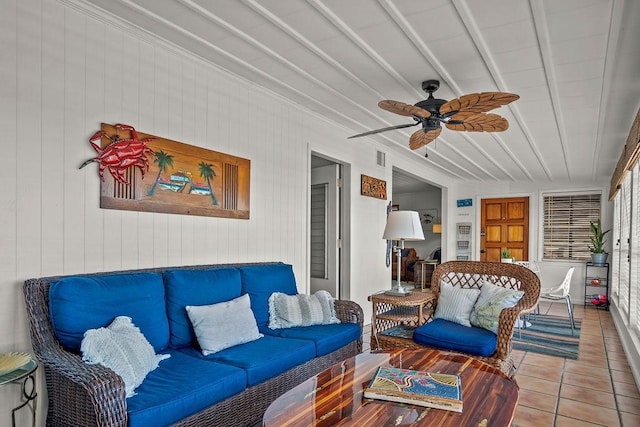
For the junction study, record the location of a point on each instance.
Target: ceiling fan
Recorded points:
(466, 113)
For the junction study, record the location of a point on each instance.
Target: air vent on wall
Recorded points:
(380, 158)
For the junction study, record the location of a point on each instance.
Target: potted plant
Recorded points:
(505, 257)
(598, 255)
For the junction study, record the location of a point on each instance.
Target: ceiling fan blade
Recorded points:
(403, 109)
(478, 102)
(478, 122)
(420, 138)
(371, 132)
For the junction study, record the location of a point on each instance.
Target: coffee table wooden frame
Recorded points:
(334, 397)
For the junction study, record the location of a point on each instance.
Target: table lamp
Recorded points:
(401, 226)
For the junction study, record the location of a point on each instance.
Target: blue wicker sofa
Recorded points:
(230, 387)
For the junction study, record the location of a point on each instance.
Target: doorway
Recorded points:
(328, 224)
(504, 224)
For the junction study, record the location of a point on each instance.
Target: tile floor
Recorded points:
(598, 389)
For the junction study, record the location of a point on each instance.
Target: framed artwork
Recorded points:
(168, 176)
(373, 187)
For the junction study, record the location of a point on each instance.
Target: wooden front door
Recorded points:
(504, 224)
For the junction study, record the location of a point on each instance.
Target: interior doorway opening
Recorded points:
(410, 192)
(329, 224)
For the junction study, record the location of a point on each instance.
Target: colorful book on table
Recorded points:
(433, 390)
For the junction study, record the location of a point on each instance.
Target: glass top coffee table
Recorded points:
(334, 397)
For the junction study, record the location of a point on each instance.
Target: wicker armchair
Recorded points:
(471, 274)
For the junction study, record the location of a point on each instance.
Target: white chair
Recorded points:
(561, 292)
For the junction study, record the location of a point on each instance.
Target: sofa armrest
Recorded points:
(91, 394)
(350, 312)
(78, 393)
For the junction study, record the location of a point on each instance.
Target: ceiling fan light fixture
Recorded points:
(466, 113)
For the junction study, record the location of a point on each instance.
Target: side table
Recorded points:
(26, 377)
(395, 317)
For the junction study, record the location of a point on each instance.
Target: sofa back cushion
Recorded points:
(80, 303)
(260, 281)
(196, 287)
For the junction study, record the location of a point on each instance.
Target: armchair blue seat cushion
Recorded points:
(264, 358)
(180, 386)
(447, 335)
(327, 338)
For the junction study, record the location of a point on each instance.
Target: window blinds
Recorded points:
(567, 225)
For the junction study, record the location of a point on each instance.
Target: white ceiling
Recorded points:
(574, 63)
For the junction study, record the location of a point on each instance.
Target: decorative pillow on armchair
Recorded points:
(455, 303)
(492, 300)
(287, 311)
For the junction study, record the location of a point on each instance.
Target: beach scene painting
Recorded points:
(181, 179)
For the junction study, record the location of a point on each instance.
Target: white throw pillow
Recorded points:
(287, 311)
(223, 325)
(455, 303)
(122, 348)
(492, 300)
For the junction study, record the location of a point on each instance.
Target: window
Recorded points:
(567, 225)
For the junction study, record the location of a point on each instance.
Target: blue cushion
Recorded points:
(181, 386)
(80, 303)
(327, 338)
(448, 335)
(196, 287)
(263, 358)
(260, 281)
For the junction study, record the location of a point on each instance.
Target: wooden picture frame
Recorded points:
(373, 187)
(181, 179)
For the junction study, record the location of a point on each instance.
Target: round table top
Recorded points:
(17, 374)
(334, 397)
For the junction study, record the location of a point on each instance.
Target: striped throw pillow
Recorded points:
(455, 303)
(287, 311)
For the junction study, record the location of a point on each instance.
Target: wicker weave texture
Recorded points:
(92, 395)
(472, 274)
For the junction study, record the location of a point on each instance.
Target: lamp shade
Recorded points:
(403, 225)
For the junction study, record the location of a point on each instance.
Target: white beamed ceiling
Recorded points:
(574, 63)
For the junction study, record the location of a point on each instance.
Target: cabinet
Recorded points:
(395, 317)
(596, 285)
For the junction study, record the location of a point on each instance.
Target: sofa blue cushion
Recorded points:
(327, 338)
(448, 335)
(263, 358)
(80, 303)
(196, 287)
(260, 281)
(181, 386)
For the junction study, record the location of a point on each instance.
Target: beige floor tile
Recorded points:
(537, 400)
(538, 384)
(630, 420)
(619, 365)
(572, 422)
(587, 412)
(588, 395)
(550, 373)
(628, 404)
(625, 389)
(543, 360)
(529, 417)
(623, 377)
(592, 382)
(582, 368)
